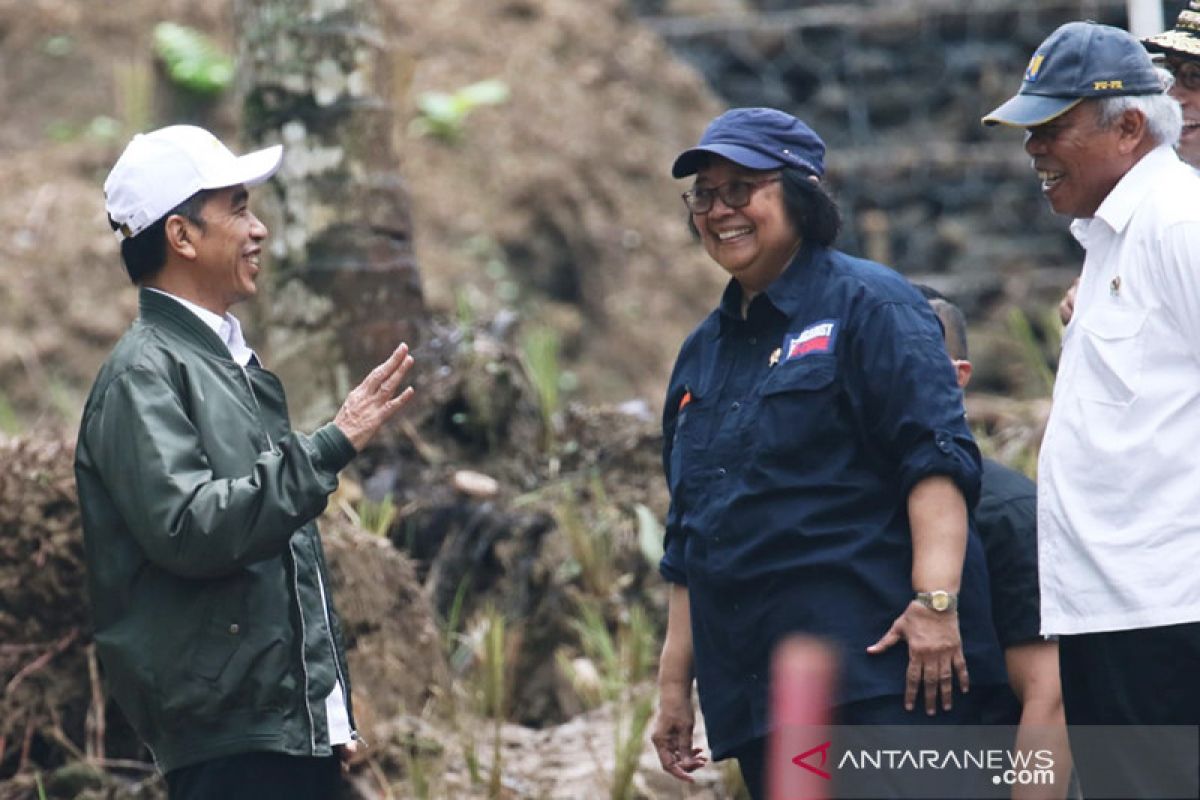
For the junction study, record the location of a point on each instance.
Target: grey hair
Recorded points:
(1164, 117)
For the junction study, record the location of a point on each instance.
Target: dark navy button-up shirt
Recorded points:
(792, 439)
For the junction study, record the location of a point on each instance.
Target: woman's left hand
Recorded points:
(935, 654)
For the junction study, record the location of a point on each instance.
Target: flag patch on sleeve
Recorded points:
(816, 338)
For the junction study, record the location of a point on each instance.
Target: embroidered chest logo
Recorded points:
(816, 338)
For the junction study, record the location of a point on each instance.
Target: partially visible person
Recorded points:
(820, 468)
(210, 596)
(1120, 462)
(1179, 49)
(1006, 519)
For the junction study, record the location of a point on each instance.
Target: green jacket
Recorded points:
(204, 563)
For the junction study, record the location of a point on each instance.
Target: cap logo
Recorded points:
(1035, 65)
(1102, 85)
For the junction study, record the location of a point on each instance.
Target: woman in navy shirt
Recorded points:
(819, 464)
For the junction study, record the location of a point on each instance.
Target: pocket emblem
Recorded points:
(816, 338)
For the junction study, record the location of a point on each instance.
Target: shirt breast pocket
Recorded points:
(798, 407)
(1112, 345)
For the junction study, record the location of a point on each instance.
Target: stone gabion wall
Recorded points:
(897, 91)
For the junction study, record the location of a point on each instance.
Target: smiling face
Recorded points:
(1078, 161)
(755, 242)
(1186, 89)
(227, 249)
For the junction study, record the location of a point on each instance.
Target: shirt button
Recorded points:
(736, 405)
(721, 472)
(234, 629)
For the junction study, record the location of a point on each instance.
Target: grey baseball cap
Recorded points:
(1078, 61)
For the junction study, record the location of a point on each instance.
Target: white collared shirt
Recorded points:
(229, 329)
(1119, 470)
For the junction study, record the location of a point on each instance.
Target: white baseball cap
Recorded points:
(161, 169)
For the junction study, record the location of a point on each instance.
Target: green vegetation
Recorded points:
(1032, 352)
(444, 115)
(376, 516)
(619, 673)
(9, 422)
(495, 649)
(650, 535)
(193, 61)
(591, 543)
(539, 357)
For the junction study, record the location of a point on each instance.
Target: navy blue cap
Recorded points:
(1078, 61)
(756, 138)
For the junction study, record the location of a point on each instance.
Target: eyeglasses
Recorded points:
(734, 194)
(1185, 73)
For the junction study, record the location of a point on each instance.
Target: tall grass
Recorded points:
(621, 668)
(495, 646)
(591, 546)
(539, 357)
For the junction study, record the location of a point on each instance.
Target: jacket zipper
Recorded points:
(312, 725)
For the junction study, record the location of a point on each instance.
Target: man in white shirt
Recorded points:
(1178, 52)
(1119, 471)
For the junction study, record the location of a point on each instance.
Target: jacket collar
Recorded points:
(156, 308)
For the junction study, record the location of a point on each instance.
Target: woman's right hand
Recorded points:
(672, 735)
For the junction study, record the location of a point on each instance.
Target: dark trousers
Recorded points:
(1142, 677)
(257, 776)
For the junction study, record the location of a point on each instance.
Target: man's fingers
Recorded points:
(392, 381)
(377, 376)
(399, 401)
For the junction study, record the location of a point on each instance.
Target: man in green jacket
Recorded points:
(207, 577)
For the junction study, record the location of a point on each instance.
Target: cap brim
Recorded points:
(1185, 44)
(1028, 110)
(249, 170)
(689, 161)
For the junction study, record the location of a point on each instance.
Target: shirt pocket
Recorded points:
(797, 405)
(1112, 347)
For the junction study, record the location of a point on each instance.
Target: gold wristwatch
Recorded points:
(938, 600)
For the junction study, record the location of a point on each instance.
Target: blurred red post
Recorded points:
(803, 674)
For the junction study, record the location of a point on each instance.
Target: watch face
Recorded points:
(940, 601)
